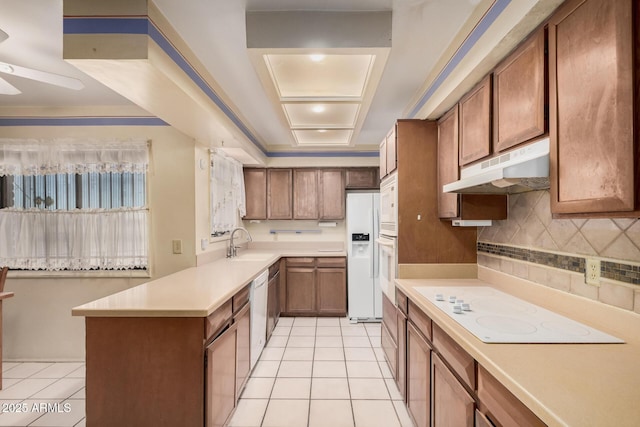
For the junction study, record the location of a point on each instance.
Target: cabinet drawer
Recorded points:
(456, 357)
(401, 300)
(331, 262)
(218, 319)
(241, 298)
(500, 406)
(389, 317)
(390, 350)
(421, 320)
(301, 262)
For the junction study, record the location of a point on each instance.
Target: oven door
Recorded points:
(389, 206)
(387, 261)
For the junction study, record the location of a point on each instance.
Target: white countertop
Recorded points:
(196, 291)
(564, 384)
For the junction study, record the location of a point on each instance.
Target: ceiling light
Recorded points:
(318, 108)
(316, 57)
(6, 68)
(322, 130)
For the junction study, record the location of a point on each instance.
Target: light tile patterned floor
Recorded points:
(42, 394)
(314, 372)
(321, 372)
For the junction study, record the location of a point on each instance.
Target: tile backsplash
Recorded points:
(532, 245)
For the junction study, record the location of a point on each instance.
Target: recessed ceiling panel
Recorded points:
(316, 75)
(323, 137)
(321, 115)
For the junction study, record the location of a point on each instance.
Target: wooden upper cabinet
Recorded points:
(279, 193)
(475, 123)
(255, 183)
(448, 162)
(361, 178)
(332, 194)
(519, 94)
(591, 86)
(383, 158)
(305, 194)
(392, 150)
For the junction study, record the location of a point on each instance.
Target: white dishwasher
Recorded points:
(258, 297)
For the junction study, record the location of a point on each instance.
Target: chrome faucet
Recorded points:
(231, 252)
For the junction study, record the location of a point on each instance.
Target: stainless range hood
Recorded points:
(516, 171)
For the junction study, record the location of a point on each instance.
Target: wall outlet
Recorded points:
(592, 271)
(177, 246)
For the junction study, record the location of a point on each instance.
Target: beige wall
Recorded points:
(531, 226)
(37, 322)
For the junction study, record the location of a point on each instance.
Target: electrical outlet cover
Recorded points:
(592, 271)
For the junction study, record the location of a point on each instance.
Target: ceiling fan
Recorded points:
(7, 88)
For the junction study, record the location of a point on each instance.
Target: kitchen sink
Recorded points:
(252, 257)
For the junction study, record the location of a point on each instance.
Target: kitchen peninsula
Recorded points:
(151, 350)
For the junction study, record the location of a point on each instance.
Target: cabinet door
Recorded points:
(383, 158)
(591, 107)
(448, 163)
(362, 178)
(392, 153)
(519, 94)
(279, 184)
(301, 290)
(255, 183)
(402, 353)
(418, 377)
(332, 291)
(305, 194)
(475, 123)
(243, 324)
(220, 391)
(332, 194)
(452, 404)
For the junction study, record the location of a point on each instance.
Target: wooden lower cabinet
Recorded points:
(273, 301)
(220, 387)
(242, 320)
(453, 406)
(301, 290)
(401, 377)
(315, 287)
(332, 291)
(418, 377)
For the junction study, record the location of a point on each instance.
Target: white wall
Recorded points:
(37, 322)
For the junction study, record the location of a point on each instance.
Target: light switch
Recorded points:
(177, 246)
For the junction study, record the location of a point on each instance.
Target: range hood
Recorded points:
(516, 171)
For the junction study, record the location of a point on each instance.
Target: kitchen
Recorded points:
(531, 244)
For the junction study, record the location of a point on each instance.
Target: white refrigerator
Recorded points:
(363, 221)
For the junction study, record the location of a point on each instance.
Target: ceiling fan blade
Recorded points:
(41, 76)
(3, 36)
(7, 88)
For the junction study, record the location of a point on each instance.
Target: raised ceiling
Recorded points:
(428, 65)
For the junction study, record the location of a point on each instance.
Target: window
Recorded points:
(73, 205)
(227, 193)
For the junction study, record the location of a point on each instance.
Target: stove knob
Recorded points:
(459, 301)
(452, 299)
(457, 309)
(439, 297)
(466, 307)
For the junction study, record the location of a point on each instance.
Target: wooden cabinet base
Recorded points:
(144, 372)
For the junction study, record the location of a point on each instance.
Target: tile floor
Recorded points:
(314, 372)
(42, 394)
(321, 372)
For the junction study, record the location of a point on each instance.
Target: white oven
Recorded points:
(389, 206)
(387, 254)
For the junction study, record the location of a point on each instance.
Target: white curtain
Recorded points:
(227, 193)
(76, 239)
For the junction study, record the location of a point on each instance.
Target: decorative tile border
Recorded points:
(626, 273)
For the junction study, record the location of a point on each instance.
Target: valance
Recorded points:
(68, 155)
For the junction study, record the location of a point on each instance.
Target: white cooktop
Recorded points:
(496, 317)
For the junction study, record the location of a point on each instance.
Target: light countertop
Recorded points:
(196, 291)
(564, 384)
